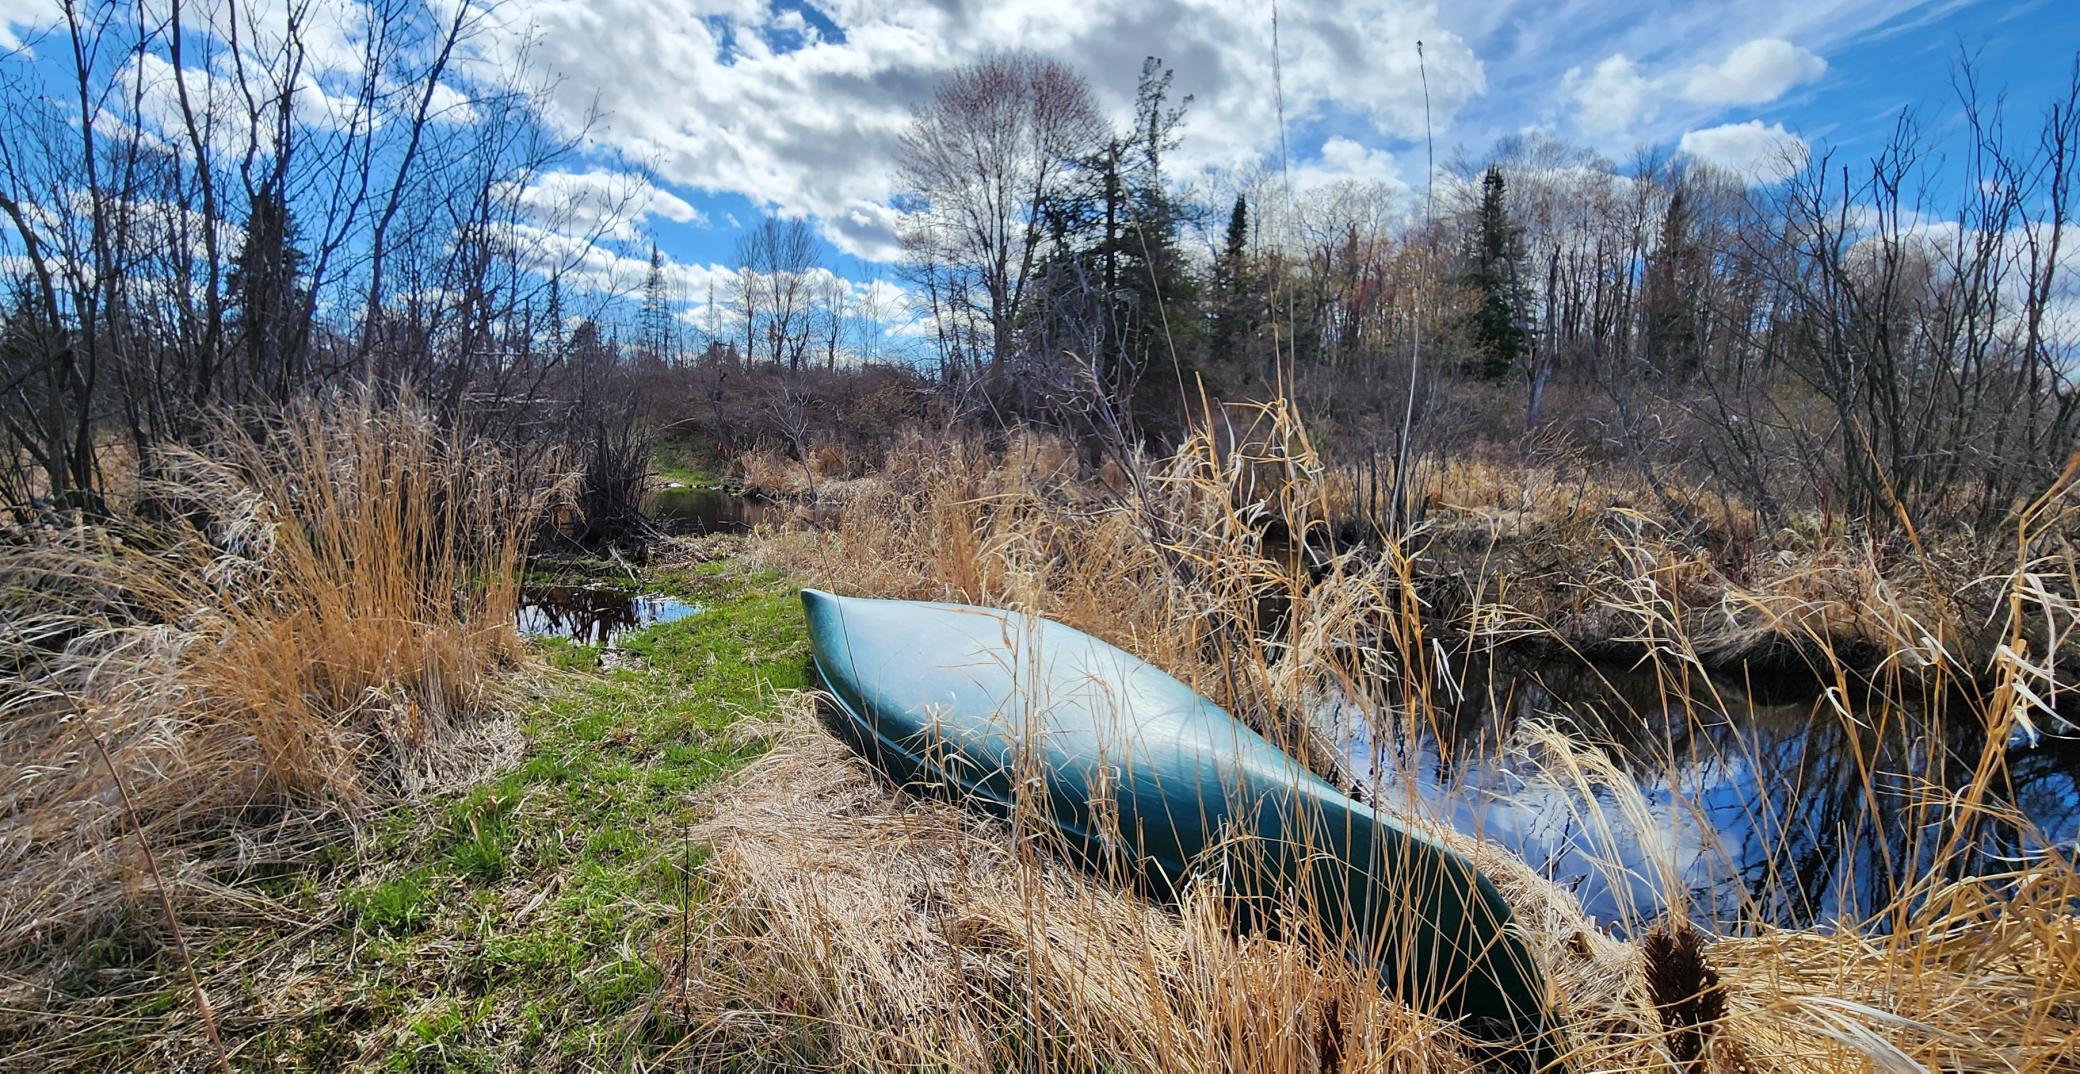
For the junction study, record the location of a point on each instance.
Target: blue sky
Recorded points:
(1730, 82)
(737, 107)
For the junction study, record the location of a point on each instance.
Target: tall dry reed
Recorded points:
(302, 618)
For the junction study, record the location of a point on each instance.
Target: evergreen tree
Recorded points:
(655, 328)
(556, 340)
(1115, 277)
(1155, 294)
(1675, 273)
(1231, 318)
(266, 297)
(1493, 326)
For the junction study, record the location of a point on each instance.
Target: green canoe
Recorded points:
(1136, 769)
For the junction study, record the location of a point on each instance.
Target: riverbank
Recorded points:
(1552, 557)
(676, 868)
(526, 920)
(654, 859)
(1932, 835)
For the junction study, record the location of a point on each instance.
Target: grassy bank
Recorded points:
(659, 861)
(686, 462)
(523, 922)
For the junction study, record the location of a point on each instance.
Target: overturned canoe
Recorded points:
(1026, 716)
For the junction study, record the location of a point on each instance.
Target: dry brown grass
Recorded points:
(302, 627)
(853, 927)
(773, 472)
(857, 928)
(1186, 560)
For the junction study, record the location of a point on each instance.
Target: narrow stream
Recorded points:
(1740, 799)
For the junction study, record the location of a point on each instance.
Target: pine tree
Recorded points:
(655, 328)
(1493, 326)
(1231, 320)
(1115, 269)
(1155, 293)
(555, 340)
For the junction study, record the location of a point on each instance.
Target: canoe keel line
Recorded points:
(1146, 780)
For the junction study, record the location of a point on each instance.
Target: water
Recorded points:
(593, 615)
(597, 615)
(1768, 800)
(701, 509)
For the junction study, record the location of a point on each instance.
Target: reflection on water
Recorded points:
(699, 509)
(1755, 801)
(593, 615)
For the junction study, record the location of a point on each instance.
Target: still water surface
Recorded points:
(1773, 801)
(594, 615)
(698, 509)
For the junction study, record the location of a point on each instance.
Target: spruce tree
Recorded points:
(1675, 271)
(1493, 329)
(265, 295)
(655, 331)
(1231, 321)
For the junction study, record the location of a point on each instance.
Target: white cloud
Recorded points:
(1755, 73)
(20, 18)
(602, 203)
(1343, 160)
(718, 96)
(1758, 154)
(1613, 98)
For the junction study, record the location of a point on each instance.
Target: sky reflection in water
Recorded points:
(1757, 809)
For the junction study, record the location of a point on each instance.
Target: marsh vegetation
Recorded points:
(400, 665)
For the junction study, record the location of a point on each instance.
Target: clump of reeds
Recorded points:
(807, 472)
(301, 618)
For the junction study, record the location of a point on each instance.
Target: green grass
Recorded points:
(525, 922)
(686, 461)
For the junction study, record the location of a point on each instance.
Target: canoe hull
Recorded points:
(1148, 780)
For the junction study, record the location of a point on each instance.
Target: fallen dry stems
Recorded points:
(852, 927)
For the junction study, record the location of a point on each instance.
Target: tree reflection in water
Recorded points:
(593, 615)
(1758, 800)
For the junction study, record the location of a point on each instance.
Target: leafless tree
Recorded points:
(979, 162)
(206, 211)
(835, 315)
(775, 261)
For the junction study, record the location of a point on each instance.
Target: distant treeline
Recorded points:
(1885, 340)
(1842, 340)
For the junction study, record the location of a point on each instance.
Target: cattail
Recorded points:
(1685, 990)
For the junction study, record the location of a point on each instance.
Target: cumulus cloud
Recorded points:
(1611, 99)
(1345, 160)
(1616, 97)
(1758, 154)
(603, 203)
(716, 95)
(1755, 73)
